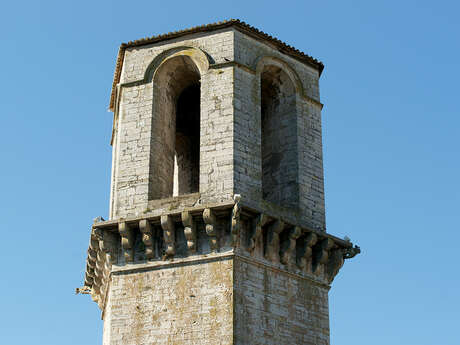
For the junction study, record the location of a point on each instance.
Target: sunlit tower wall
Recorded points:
(217, 232)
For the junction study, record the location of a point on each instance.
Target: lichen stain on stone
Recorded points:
(291, 297)
(138, 287)
(155, 319)
(266, 291)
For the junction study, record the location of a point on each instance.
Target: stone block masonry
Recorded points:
(232, 135)
(273, 307)
(217, 231)
(212, 274)
(176, 304)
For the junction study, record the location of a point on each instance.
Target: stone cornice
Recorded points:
(232, 228)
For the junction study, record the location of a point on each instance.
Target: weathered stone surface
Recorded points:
(273, 307)
(279, 280)
(232, 131)
(217, 225)
(185, 303)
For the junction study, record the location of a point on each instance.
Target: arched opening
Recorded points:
(187, 152)
(175, 151)
(279, 138)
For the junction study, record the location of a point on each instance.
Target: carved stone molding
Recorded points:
(304, 259)
(236, 221)
(147, 238)
(273, 240)
(127, 241)
(189, 231)
(322, 253)
(351, 252)
(169, 235)
(90, 265)
(335, 263)
(278, 242)
(287, 253)
(100, 264)
(108, 244)
(261, 220)
(210, 221)
(90, 276)
(92, 257)
(93, 241)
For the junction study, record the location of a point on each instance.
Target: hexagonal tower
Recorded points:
(217, 228)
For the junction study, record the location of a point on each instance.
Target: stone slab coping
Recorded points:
(219, 208)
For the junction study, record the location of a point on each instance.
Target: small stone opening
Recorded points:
(279, 138)
(187, 152)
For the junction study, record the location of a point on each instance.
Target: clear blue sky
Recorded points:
(391, 149)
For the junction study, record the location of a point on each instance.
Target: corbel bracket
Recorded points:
(286, 256)
(169, 236)
(273, 240)
(210, 221)
(147, 238)
(189, 231)
(127, 241)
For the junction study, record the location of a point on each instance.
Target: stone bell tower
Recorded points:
(216, 233)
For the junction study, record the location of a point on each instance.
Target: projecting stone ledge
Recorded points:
(229, 229)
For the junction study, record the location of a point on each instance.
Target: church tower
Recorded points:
(216, 233)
